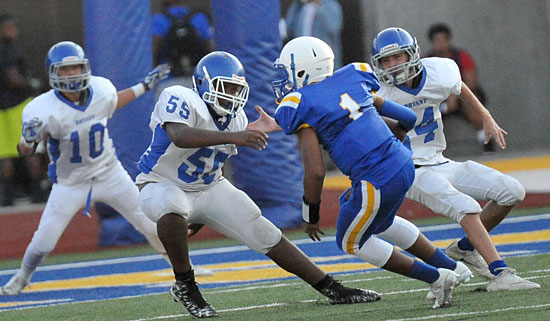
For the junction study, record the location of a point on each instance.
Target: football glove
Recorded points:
(310, 212)
(30, 130)
(155, 75)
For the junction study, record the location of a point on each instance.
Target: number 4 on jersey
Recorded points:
(427, 126)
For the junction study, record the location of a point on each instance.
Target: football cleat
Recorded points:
(339, 294)
(463, 276)
(188, 294)
(508, 280)
(443, 288)
(472, 258)
(15, 285)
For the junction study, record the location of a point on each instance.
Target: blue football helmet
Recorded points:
(392, 41)
(212, 73)
(303, 60)
(67, 53)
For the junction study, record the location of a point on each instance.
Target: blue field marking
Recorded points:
(325, 251)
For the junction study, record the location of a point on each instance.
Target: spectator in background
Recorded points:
(181, 37)
(440, 39)
(15, 92)
(322, 19)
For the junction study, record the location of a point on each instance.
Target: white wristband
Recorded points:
(25, 143)
(138, 89)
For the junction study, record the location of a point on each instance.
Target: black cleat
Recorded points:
(188, 294)
(339, 294)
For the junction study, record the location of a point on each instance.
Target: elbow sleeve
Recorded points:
(405, 116)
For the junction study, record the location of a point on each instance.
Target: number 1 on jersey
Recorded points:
(347, 103)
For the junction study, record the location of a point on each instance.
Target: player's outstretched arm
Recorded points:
(265, 123)
(149, 82)
(184, 136)
(490, 126)
(314, 175)
(405, 116)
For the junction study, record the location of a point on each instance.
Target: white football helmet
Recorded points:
(303, 60)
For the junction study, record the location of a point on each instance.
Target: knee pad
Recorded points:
(375, 251)
(260, 235)
(512, 191)
(159, 199)
(401, 233)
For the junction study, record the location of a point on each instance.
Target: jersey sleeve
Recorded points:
(365, 70)
(34, 110)
(173, 107)
(452, 76)
(113, 97)
(287, 114)
(106, 87)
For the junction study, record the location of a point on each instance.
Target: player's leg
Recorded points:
(231, 212)
(366, 210)
(408, 237)
(119, 191)
(482, 182)
(503, 191)
(432, 189)
(62, 205)
(169, 207)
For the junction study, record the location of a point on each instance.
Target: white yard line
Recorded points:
(231, 249)
(459, 314)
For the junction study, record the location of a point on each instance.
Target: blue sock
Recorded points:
(424, 272)
(465, 245)
(441, 260)
(498, 264)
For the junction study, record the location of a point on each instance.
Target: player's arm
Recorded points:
(314, 175)
(490, 126)
(405, 116)
(26, 149)
(396, 128)
(149, 82)
(185, 136)
(265, 123)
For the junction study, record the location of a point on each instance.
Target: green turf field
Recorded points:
(402, 298)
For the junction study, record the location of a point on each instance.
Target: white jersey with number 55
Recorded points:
(191, 169)
(78, 140)
(440, 78)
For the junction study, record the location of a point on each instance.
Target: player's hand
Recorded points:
(256, 139)
(396, 128)
(30, 130)
(155, 75)
(265, 123)
(193, 229)
(491, 128)
(313, 231)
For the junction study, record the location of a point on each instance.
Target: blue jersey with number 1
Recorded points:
(340, 109)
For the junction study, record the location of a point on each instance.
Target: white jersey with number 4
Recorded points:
(79, 145)
(440, 78)
(191, 169)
